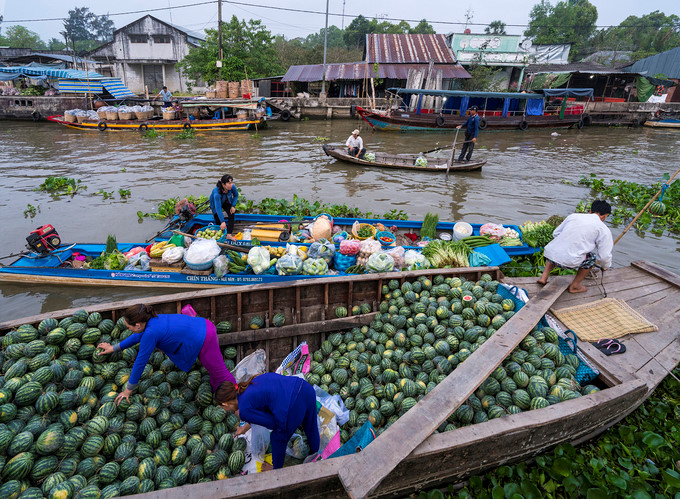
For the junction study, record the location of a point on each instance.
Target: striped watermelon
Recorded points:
(236, 461)
(18, 467)
(47, 402)
(47, 325)
(28, 394)
(49, 441)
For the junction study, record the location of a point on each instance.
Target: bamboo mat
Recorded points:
(607, 318)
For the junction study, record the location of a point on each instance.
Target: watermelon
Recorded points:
(279, 320)
(49, 441)
(256, 322)
(341, 312)
(657, 208)
(223, 327)
(28, 393)
(19, 466)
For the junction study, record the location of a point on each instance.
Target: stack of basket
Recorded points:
(69, 117)
(168, 113)
(247, 88)
(234, 90)
(222, 89)
(111, 115)
(101, 112)
(126, 115)
(211, 94)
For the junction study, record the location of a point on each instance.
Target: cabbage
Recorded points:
(115, 261)
(421, 161)
(258, 259)
(322, 248)
(379, 262)
(289, 264)
(370, 157)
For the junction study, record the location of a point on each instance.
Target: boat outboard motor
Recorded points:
(43, 240)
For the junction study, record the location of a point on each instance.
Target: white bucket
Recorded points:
(461, 230)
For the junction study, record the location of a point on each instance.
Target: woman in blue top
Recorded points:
(280, 403)
(224, 197)
(181, 337)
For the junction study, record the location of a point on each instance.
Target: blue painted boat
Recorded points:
(663, 123)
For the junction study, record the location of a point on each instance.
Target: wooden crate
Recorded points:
(158, 265)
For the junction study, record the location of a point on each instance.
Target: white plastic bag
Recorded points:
(251, 365)
(397, 254)
(202, 251)
(139, 261)
(379, 262)
(173, 255)
(297, 447)
(258, 442)
(334, 404)
(258, 259)
(415, 260)
(220, 265)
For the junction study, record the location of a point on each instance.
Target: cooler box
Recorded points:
(269, 232)
(496, 253)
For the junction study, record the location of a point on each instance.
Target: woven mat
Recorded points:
(607, 318)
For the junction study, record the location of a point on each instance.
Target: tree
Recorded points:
(483, 77)
(571, 21)
(248, 51)
(356, 31)
(495, 28)
(422, 28)
(86, 30)
(18, 36)
(55, 44)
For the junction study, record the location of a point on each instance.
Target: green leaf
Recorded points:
(511, 489)
(597, 493)
(476, 482)
(562, 466)
(530, 491)
(617, 481)
(640, 494)
(625, 463)
(653, 440)
(498, 492)
(671, 477)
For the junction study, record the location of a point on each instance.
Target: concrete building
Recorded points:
(144, 55)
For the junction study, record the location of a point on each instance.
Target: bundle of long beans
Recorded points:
(447, 253)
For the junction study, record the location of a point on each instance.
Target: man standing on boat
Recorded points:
(471, 130)
(578, 243)
(166, 96)
(355, 145)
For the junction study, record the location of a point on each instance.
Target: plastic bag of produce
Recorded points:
(415, 260)
(397, 254)
(379, 262)
(297, 447)
(350, 247)
(115, 261)
(258, 259)
(220, 265)
(203, 251)
(322, 248)
(251, 365)
(289, 264)
(173, 255)
(139, 261)
(314, 266)
(370, 157)
(494, 231)
(421, 161)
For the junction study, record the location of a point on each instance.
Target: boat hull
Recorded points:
(669, 123)
(404, 121)
(162, 125)
(404, 162)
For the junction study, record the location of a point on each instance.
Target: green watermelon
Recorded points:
(278, 320)
(223, 327)
(256, 322)
(341, 312)
(657, 208)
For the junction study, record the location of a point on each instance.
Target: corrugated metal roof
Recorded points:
(574, 67)
(361, 70)
(408, 49)
(666, 63)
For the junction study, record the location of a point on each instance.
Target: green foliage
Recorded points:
(187, 133)
(61, 185)
(628, 198)
(87, 30)
(124, 193)
(530, 266)
(495, 28)
(152, 133)
(34, 90)
(18, 36)
(166, 209)
(105, 194)
(248, 51)
(635, 458)
(566, 22)
(31, 211)
(483, 77)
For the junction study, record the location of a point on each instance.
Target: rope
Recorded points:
(663, 191)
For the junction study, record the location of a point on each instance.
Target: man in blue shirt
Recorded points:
(165, 95)
(224, 197)
(471, 130)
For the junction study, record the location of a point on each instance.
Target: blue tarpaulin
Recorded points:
(534, 108)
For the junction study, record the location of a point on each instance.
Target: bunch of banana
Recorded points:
(276, 251)
(237, 263)
(159, 248)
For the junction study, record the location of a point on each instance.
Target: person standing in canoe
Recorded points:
(355, 145)
(471, 131)
(279, 403)
(224, 197)
(579, 241)
(181, 337)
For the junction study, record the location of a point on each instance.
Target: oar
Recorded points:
(201, 208)
(241, 249)
(645, 207)
(453, 152)
(433, 150)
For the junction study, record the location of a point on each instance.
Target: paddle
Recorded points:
(201, 208)
(240, 249)
(433, 150)
(453, 152)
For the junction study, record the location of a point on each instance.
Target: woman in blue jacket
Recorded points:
(279, 403)
(181, 337)
(224, 197)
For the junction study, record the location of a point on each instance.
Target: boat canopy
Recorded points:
(70, 80)
(568, 92)
(463, 93)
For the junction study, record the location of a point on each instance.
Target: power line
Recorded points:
(317, 12)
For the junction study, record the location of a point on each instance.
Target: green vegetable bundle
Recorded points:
(537, 234)
(447, 253)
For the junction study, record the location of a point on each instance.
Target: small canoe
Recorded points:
(407, 457)
(403, 161)
(665, 123)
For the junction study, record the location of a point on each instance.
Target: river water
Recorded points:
(529, 176)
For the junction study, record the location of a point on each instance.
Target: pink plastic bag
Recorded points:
(189, 310)
(298, 361)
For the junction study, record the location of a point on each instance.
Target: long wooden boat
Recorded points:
(444, 110)
(246, 123)
(664, 123)
(408, 456)
(404, 161)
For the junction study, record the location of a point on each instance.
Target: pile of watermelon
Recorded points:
(423, 331)
(62, 435)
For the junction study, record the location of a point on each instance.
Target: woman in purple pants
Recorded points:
(182, 338)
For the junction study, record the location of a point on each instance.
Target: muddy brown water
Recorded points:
(529, 176)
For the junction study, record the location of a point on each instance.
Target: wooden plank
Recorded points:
(399, 440)
(659, 272)
(670, 356)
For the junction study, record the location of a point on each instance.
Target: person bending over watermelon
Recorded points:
(279, 403)
(181, 337)
(578, 243)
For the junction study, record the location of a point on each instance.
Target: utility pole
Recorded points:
(219, 27)
(325, 45)
(468, 17)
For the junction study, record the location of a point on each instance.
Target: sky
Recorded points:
(202, 14)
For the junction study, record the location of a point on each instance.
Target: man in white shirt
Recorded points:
(355, 145)
(578, 243)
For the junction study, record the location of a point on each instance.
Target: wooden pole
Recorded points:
(645, 208)
(453, 152)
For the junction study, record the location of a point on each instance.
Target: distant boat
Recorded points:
(664, 123)
(403, 161)
(444, 110)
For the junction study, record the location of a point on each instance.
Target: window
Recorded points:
(162, 39)
(138, 38)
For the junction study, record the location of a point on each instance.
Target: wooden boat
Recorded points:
(404, 161)
(663, 123)
(408, 456)
(444, 110)
(245, 123)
